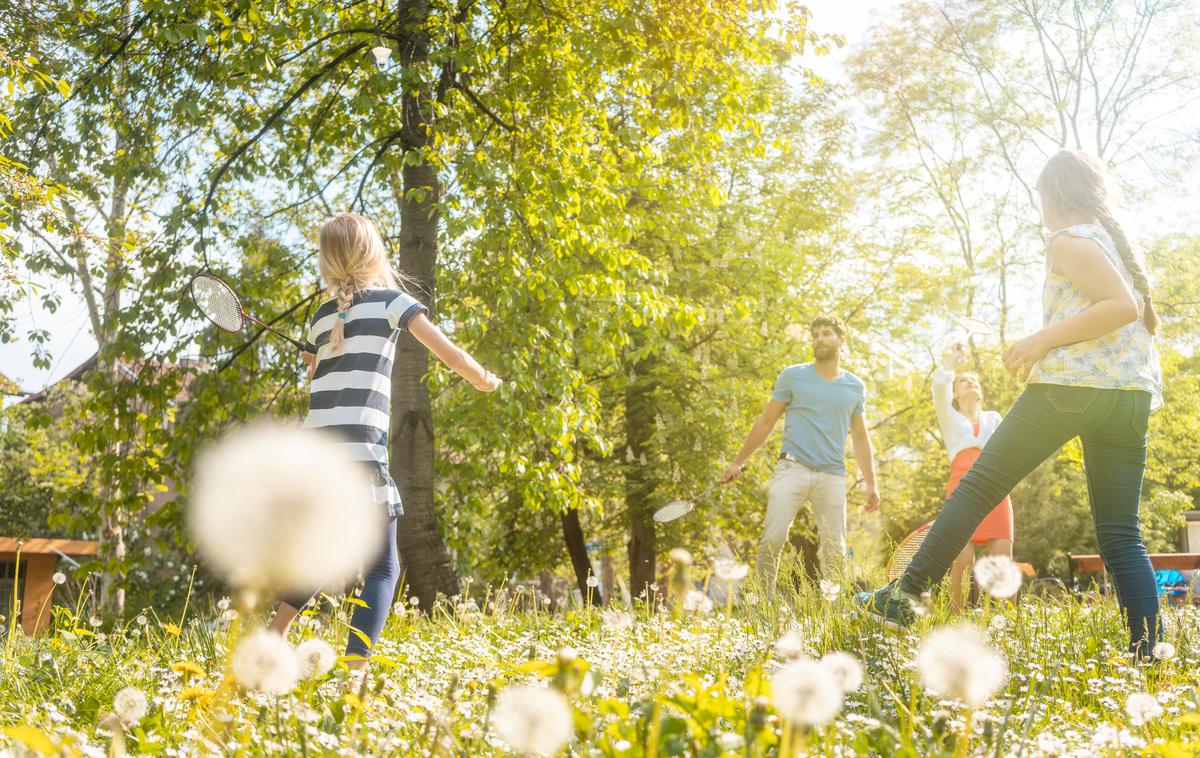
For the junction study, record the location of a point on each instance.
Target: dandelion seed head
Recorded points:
(846, 669)
(130, 705)
(269, 500)
(265, 662)
(998, 575)
(1142, 708)
(805, 692)
(532, 720)
(315, 657)
(955, 662)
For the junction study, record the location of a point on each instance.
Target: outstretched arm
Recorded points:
(459, 361)
(758, 435)
(943, 379)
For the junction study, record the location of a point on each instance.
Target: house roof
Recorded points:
(42, 546)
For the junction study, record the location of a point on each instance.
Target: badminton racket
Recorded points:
(974, 326)
(220, 305)
(679, 508)
(905, 551)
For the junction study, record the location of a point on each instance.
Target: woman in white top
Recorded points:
(958, 400)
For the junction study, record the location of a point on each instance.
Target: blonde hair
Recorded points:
(1074, 180)
(352, 257)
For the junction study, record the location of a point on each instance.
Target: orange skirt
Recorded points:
(999, 523)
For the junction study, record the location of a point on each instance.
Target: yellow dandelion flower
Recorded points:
(198, 695)
(187, 667)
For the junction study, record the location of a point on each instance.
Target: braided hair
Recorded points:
(1074, 180)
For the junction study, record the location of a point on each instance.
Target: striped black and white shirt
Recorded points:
(351, 390)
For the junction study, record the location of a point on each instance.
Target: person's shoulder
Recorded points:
(1077, 242)
(852, 379)
(324, 309)
(379, 295)
(796, 370)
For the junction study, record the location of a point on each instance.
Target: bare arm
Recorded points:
(758, 435)
(1113, 304)
(864, 455)
(457, 359)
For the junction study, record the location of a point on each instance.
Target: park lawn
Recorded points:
(669, 683)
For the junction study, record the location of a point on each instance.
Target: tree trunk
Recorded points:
(639, 484)
(112, 531)
(427, 564)
(577, 549)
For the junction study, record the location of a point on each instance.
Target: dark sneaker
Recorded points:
(889, 606)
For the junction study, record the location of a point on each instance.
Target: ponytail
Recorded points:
(1140, 281)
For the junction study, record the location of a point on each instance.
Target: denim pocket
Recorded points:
(1074, 400)
(1139, 422)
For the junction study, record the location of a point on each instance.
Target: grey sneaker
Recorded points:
(889, 606)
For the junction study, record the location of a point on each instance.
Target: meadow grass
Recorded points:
(647, 682)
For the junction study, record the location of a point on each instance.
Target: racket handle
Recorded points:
(299, 345)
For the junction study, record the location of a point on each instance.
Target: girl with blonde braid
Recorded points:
(353, 337)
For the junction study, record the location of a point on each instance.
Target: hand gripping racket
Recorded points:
(220, 305)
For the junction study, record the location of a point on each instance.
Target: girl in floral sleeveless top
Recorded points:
(1093, 373)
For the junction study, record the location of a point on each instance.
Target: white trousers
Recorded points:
(793, 485)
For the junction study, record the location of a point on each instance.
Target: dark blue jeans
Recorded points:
(1112, 426)
(379, 588)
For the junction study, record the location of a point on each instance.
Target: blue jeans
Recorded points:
(378, 590)
(1112, 425)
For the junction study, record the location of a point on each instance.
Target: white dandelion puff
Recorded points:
(269, 500)
(998, 575)
(316, 657)
(130, 705)
(729, 569)
(829, 590)
(1164, 651)
(846, 669)
(1142, 708)
(532, 720)
(265, 662)
(805, 692)
(59, 577)
(790, 645)
(956, 663)
(593, 581)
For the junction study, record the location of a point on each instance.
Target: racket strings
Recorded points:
(218, 303)
(905, 552)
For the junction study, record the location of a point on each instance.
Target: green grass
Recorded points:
(645, 683)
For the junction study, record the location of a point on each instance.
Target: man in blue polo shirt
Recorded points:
(821, 405)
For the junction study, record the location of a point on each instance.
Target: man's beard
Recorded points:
(824, 352)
